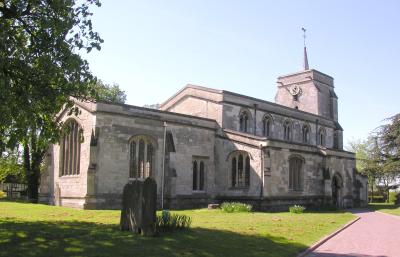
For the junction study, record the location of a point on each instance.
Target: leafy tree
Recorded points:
(378, 157)
(389, 139)
(109, 93)
(152, 106)
(389, 135)
(360, 148)
(11, 169)
(40, 70)
(367, 159)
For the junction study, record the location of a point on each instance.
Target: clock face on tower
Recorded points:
(295, 90)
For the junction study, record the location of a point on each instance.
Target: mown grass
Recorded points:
(41, 230)
(390, 208)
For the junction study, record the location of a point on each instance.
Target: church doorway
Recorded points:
(337, 185)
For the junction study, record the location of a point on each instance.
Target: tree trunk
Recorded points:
(372, 192)
(33, 183)
(32, 163)
(388, 195)
(28, 172)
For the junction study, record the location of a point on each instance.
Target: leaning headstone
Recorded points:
(138, 213)
(130, 213)
(149, 195)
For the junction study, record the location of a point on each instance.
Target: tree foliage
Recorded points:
(40, 70)
(11, 169)
(152, 106)
(367, 158)
(109, 93)
(389, 135)
(39, 65)
(378, 156)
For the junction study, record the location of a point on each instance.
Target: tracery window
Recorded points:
(244, 121)
(306, 134)
(287, 130)
(295, 173)
(141, 159)
(70, 149)
(267, 121)
(321, 137)
(198, 175)
(336, 140)
(240, 169)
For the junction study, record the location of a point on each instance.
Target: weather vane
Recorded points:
(304, 35)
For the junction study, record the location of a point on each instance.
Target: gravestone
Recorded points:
(138, 213)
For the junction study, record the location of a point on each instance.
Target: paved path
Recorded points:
(375, 234)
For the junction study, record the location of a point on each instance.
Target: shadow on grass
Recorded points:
(90, 239)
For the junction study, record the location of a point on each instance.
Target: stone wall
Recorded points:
(114, 133)
(202, 124)
(199, 107)
(225, 107)
(317, 93)
(231, 121)
(223, 149)
(69, 190)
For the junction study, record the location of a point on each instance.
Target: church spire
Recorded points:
(305, 63)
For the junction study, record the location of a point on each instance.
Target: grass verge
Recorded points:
(389, 208)
(41, 230)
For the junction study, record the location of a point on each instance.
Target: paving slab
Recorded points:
(375, 234)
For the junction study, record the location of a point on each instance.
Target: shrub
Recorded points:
(2, 194)
(397, 199)
(297, 209)
(171, 222)
(392, 197)
(235, 207)
(377, 199)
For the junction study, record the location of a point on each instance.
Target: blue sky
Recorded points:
(154, 48)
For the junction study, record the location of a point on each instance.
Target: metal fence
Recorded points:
(14, 190)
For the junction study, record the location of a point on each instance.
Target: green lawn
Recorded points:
(41, 230)
(386, 207)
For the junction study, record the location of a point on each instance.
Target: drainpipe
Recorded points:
(262, 175)
(255, 119)
(316, 132)
(163, 166)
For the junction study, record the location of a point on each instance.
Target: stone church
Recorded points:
(205, 146)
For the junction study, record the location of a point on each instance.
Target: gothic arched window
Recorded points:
(321, 137)
(295, 173)
(201, 177)
(267, 121)
(336, 140)
(141, 157)
(244, 121)
(233, 171)
(70, 149)
(240, 169)
(198, 175)
(287, 130)
(195, 175)
(306, 133)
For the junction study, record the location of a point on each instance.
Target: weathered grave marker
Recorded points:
(138, 213)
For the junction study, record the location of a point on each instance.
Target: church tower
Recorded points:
(308, 90)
